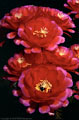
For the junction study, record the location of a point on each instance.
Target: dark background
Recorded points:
(9, 105)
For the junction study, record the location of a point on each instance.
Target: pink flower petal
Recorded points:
(30, 110)
(25, 44)
(51, 114)
(44, 109)
(2, 43)
(25, 102)
(69, 82)
(70, 92)
(63, 96)
(16, 93)
(65, 103)
(56, 105)
(11, 35)
(76, 97)
(36, 50)
(17, 41)
(27, 51)
(77, 84)
(51, 48)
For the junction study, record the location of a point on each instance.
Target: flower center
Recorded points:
(61, 52)
(77, 1)
(20, 60)
(60, 15)
(44, 86)
(76, 48)
(18, 15)
(42, 33)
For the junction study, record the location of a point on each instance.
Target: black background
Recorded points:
(9, 105)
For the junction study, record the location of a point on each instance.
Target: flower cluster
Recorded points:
(73, 5)
(42, 69)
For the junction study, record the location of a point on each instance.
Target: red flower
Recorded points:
(74, 6)
(62, 57)
(33, 27)
(76, 92)
(42, 85)
(20, 62)
(75, 49)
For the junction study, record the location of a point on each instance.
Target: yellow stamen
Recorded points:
(60, 15)
(61, 52)
(76, 48)
(43, 86)
(77, 1)
(18, 15)
(20, 60)
(42, 33)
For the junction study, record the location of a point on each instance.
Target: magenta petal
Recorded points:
(36, 50)
(44, 109)
(20, 83)
(17, 41)
(70, 92)
(69, 82)
(27, 51)
(77, 84)
(11, 35)
(56, 105)
(25, 44)
(76, 97)
(51, 114)
(51, 48)
(15, 93)
(25, 102)
(7, 69)
(63, 96)
(30, 110)
(20, 32)
(65, 103)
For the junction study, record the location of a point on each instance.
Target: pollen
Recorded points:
(43, 86)
(42, 33)
(61, 53)
(76, 48)
(77, 1)
(20, 60)
(18, 15)
(60, 15)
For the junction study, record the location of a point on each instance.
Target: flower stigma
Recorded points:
(18, 15)
(61, 52)
(42, 33)
(20, 60)
(44, 86)
(60, 15)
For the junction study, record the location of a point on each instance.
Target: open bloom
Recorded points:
(37, 27)
(75, 49)
(76, 92)
(73, 5)
(41, 85)
(20, 62)
(62, 57)
(15, 66)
